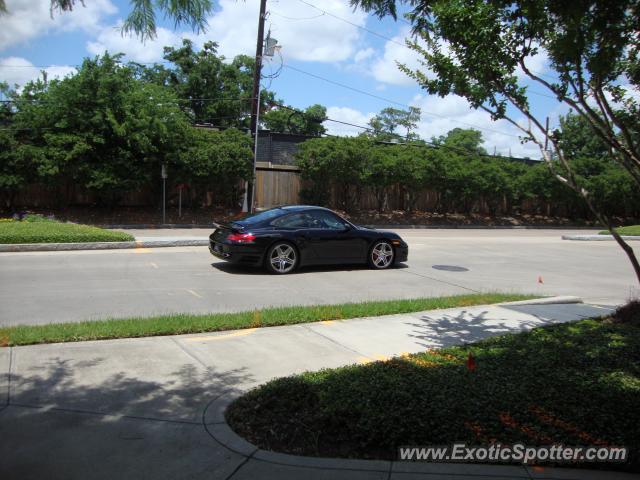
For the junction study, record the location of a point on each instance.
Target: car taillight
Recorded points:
(241, 237)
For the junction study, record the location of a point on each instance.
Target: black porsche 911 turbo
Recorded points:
(285, 238)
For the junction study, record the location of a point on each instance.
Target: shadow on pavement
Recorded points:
(445, 330)
(246, 270)
(91, 419)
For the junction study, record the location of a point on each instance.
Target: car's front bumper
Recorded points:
(402, 252)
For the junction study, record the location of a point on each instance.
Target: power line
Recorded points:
(394, 102)
(389, 39)
(429, 144)
(372, 32)
(296, 18)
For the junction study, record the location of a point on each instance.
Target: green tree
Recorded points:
(218, 161)
(337, 163)
(11, 174)
(290, 120)
(462, 140)
(210, 88)
(611, 188)
(381, 172)
(393, 124)
(482, 50)
(101, 128)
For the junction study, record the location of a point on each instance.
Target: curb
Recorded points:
(177, 226)
(598, 238)
(154, 226)
(221, 432)
(480, 227)
(561, 300)
(60, 247)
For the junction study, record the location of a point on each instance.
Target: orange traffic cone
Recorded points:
(471, 362)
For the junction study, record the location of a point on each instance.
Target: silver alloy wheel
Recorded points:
(381, 255)
(283, 258)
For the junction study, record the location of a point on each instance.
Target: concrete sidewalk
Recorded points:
(153, 407)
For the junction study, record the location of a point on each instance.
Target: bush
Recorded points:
(39, 229)
(463, 182)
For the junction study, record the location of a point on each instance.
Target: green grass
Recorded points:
(575, 383)
(186, 323)
(37, 229)
(630, 230)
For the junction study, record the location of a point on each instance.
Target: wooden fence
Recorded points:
(274, 185)
(277, 185)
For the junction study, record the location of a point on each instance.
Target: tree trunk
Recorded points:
(604, 220)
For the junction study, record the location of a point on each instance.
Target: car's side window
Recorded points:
(295, 220)
(322, 219)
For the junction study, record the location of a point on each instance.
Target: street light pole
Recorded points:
(255, 100)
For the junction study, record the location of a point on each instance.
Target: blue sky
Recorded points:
(312, 40)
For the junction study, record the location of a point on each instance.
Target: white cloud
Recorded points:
(385, 68)
(302, 37)
(364, 54)
(111, 39)
(28, 19)
(18, 71)
(440, 115)
(234, 27)
(537, 64)
(348, 115)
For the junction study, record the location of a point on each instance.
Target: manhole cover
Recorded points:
(450, 268)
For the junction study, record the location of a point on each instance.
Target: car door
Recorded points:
(295, 226)
(333, 240)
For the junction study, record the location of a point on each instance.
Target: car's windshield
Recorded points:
(260, 217)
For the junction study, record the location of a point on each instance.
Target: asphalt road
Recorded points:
(43, 287)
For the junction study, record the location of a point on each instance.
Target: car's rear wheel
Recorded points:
(381, 255)
(282, 258)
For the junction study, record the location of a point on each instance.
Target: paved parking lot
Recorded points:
(43, 287)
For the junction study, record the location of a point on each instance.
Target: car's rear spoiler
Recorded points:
(234, 227)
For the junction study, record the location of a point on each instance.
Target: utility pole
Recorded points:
(255, 99)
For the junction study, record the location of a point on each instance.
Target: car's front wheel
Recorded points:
(282, 258)
(381, 255)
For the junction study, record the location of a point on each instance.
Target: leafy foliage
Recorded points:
(101, 128)
(108, 130)
(393, 124)
(461, 175)
(216, 161)
(290, 120)
(212, 89)
(39, 230)
(341, 162)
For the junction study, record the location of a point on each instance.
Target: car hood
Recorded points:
(386, 233)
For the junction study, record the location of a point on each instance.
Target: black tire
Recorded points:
(282, 258)
(381, 255)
